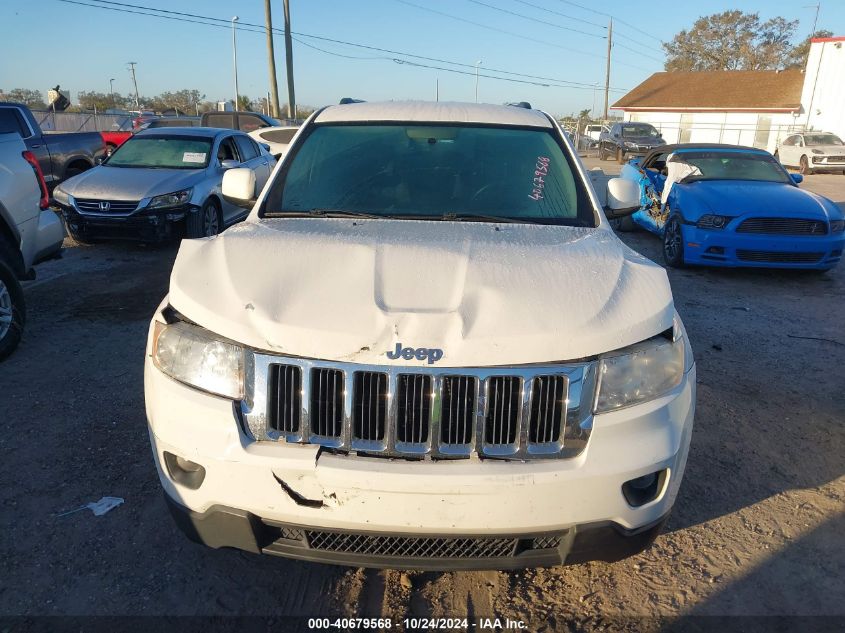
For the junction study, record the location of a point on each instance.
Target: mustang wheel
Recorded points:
(206, 222)
(12, 311)
(673, 243)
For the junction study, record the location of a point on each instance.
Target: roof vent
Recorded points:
(348, 100)
(521, 104)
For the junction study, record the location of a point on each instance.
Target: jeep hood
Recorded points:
(486, 294)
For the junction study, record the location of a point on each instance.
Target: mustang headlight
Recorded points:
(170, 199)
(713, 221)
(641, 372)
(196, 357)
(60, 196)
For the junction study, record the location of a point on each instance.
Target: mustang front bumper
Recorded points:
(305, 502)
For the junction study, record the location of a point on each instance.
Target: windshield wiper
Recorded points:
(327, 213)
(478, 217)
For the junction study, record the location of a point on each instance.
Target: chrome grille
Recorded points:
(783, 226)
(776, 257)
(115, 207)
(523, 412)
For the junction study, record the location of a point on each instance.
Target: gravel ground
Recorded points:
(757, 529)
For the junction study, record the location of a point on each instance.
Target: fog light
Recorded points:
(643, 489)
(184, 471)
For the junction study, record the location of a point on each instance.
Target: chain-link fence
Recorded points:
(81, 121)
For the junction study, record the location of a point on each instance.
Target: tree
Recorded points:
(244, 103)
(100, 100)
(732, 40)
(798, 55)
(32, 98)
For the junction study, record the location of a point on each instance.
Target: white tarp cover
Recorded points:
(676, 171)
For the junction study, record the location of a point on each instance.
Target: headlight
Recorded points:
(641, 372)
(817, 151)
(60, 196)
(194, 356)
(713, 221)
(170, 199)
(837, 226)
(629, 144)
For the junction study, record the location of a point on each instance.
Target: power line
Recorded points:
(512, 34)
(564, 15)
(591, 10)
(245, 26)
(526, 17)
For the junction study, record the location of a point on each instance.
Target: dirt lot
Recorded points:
(757, 529)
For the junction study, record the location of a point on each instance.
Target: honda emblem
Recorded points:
(105, 206)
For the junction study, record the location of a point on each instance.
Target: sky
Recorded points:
(81, 47)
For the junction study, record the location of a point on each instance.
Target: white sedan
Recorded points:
(278, 138)
(812, 151)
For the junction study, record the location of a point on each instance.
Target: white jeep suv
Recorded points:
(424, 349)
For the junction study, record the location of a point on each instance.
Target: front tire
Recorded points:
(12, 311)
(207, 222)
(804, 167)
(673, 243)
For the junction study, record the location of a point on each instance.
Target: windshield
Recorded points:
(629, 131)
(822, 139)
(431, 172)
(722, 165)
(163, 152)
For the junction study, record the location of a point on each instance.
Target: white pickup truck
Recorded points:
(29, 233)
(424, 349)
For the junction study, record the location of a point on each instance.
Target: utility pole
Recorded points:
(477, 64)
(816, 6)
(607, 74)
(235, 58)
(272, 105)
(111, 92)
(289, 63)
(437, 89)
(135, 82)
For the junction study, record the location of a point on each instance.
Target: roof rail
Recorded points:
(520, 104)
(348, 100)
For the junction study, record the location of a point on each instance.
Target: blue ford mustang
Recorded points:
(726, 205)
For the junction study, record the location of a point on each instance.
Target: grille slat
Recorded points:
(547, 409)
(285, 398)
(458, 410)
(503, 414)
(414, 409)
(115, 206)
(783, 226)
(326, 402)
(776, 257)
(370, 406)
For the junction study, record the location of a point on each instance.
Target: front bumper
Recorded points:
(252, 490)
(728, 248)
(149, 226)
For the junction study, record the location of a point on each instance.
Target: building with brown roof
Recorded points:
(744, 107)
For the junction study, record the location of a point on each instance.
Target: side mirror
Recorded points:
(797, 178)
(229, 164)
(239, 187)
(623, 198)
(266, 146)
(100, 159)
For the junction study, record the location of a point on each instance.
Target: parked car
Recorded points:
(29, 233)
(624, 140)
(812, 151)
(141, 119)
(161, 183)
(727, 205)
(114, 139)
(593, 131)
(277, 138)
(60, 155)
(182, 121)
(243, 121)
(430, 283)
